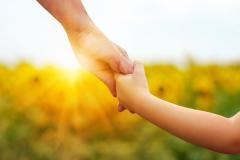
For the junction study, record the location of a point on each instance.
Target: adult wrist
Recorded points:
(83, 24)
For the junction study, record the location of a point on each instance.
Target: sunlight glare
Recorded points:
(71, 69)
(70, 62)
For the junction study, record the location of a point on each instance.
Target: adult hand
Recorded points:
(100, 56)
(97, 54)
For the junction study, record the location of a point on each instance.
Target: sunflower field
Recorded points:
(52, 113)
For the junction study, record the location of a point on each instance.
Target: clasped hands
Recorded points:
(109, 62)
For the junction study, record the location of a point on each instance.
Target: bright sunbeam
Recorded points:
(70, 68)
(69, 62)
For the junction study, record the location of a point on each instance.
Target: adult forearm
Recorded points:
(70, 13)
(198, 127)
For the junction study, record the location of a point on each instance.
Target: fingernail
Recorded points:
(126, 67)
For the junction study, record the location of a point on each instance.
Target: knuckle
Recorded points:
(115, 59)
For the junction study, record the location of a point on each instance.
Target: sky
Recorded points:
(150, 30)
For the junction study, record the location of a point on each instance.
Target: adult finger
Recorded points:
(120, 64)
(108, 78)
(119, 61)
(123, 51)
(125, 69)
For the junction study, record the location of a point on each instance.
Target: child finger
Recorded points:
(121, 108)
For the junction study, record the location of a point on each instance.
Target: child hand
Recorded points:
(131, 87)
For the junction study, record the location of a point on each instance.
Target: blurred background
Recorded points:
(50, 108)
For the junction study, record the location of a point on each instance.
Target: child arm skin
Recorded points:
(205, 129)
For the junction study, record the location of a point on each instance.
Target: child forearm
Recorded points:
(198, 127)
